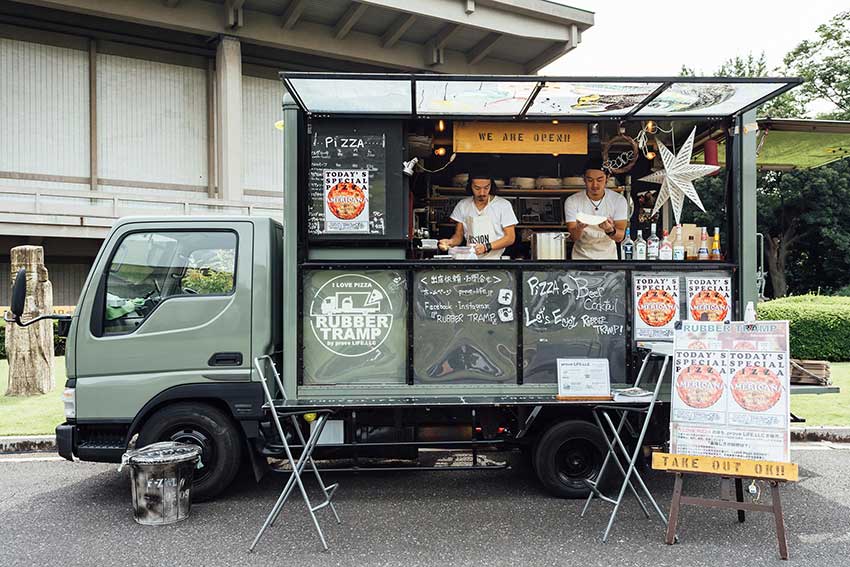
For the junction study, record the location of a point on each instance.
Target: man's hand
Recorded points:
(444, 244)
(580, 225)
(607, 226)
(480, 249)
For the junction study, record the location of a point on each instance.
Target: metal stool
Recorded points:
(617, 449)
(306, 457)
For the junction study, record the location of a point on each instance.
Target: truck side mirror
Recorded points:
(19, 293)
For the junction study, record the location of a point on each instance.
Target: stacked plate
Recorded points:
(522, 182)
(573, 181)
(548, 182)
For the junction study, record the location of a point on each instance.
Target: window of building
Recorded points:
(150, 267)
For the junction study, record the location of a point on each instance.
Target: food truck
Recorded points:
(364, 315)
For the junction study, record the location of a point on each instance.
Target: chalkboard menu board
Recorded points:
(572, 314)
(355, 327)
(355, 186)
(465, 327)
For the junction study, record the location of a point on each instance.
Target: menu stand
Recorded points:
(616, 447)
(306, 457)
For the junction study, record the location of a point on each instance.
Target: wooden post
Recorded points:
(30, 349)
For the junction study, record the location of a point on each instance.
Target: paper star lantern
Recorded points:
(677, 177)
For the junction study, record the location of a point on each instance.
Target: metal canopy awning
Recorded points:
(529, 97)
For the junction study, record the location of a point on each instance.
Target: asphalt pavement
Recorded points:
(54, 512)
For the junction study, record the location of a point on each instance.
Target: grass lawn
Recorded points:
(826, 409)
(31, 415)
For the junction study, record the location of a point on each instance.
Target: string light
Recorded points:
(554, 122)
(650, 127)
(441, 151)
(441, 126)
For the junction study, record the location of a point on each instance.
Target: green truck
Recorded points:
(179, 317)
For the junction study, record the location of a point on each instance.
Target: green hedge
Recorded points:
(820, 325)
(58, 342)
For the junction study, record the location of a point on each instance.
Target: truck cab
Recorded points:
(161, 347)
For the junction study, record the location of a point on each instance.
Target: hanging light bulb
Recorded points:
(554, 122)
(650, 156)
(441, 151)
(650, 126)
(441, 125)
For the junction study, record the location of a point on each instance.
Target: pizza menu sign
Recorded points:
(656, 306)
(346, 200)
(660, 301)
(730, 395)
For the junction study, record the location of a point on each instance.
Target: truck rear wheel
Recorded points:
(567, 454)
(207, 427)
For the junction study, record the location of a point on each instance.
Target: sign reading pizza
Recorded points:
(730, 391)
(709, 298)
(346, 200)
(656, 306)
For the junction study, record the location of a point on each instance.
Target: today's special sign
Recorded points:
(520, 138)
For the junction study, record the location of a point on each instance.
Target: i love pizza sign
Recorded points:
(730, 395)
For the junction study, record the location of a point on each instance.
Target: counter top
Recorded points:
(667, 265)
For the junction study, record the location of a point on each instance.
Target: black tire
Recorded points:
(209, 428)
(568, 453)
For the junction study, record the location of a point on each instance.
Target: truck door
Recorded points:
(168, 304)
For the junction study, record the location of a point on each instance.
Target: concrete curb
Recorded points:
(31, 443)
(27, 443)
(822, 433)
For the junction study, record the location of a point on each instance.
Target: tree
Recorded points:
(824, 64)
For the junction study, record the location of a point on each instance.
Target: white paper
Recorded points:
(590, 219)
(583, 377)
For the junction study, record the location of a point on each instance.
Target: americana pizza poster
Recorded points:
(729, 400)
(656, 306)
(709, 298)
(346, 197)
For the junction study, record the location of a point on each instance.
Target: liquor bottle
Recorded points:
(665, 249)
(715, 254)
(652, 244)
(702, 254)
(678, 245)
(640, 246)
(627, 246)
(691, 248)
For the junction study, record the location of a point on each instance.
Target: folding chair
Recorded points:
(616, 447)
(305, 459)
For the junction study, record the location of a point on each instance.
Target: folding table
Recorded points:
(617, 451)
(306, 458)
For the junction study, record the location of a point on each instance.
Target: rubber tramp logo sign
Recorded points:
(351, 315)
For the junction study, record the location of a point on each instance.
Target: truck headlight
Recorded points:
(69, 400)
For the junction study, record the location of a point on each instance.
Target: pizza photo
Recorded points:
(709, 305)
(656, 307)
(346, 200)
(700, 386)
(755, 388)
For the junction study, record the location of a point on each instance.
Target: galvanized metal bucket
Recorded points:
(161, 481)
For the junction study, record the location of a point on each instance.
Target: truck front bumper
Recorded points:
(65, 440)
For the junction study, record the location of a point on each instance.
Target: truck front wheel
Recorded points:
(567, 454)
(207, 427)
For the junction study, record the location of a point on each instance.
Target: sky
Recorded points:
(657, 38)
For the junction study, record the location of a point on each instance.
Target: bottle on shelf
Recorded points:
(665, 248)
(702, 253)
(691, 248)
(715, 254)
(640, 246)
(627, 246)
(678, 245)
(652, 244)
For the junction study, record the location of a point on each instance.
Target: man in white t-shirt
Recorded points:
(487, 221)
(596, 241)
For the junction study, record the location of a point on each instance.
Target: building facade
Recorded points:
(111, 109)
